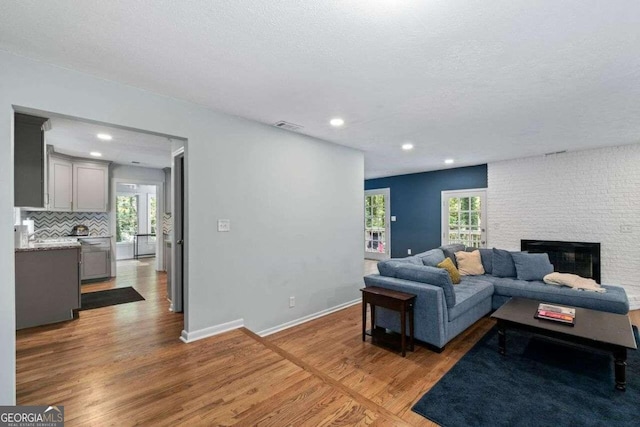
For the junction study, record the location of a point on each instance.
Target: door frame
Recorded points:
(444, 210)
(386, 192)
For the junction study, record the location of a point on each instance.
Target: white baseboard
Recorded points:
(189, 337)
(305, 319)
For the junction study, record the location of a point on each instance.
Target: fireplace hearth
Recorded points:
(579, 258)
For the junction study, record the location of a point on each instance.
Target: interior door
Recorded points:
(177, 273)
(464, 217)
(377, 229)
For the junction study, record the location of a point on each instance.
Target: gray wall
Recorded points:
(295, 203)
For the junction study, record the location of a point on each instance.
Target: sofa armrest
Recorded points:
(430, 309)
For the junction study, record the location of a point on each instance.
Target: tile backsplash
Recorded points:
(60, 223)
(166, 223)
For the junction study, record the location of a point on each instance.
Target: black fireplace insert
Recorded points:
(579, 258)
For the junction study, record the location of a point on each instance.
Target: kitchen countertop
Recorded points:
(32, 248)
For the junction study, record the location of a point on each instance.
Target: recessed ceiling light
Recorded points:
(336, 122)
(104, 136)
(407, 146)
(448, 161)
(96, 154)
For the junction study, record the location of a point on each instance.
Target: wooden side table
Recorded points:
(392, 300)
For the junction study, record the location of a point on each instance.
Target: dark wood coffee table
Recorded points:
(598, 329)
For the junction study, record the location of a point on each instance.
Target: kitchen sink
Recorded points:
(48, 243)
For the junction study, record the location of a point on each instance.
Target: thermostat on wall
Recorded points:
(224, 225)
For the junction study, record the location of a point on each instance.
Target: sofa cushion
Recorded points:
(469, 263)
(486, 256)
(503, 265)
(471, 291)
(431, 275)
(454, 274)
(531, 266)
(614, 300)
(450, 251)
(431, 258)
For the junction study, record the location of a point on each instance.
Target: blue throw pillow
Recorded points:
(388, 267)
(450, 251)
(486, 255)
(431, 258)
(430, 275)
(531, 266)
(502, 264)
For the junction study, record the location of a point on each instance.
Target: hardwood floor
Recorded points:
(124, 365)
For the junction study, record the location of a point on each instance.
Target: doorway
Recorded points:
(464, 217)
(137, 221)
(377, 228)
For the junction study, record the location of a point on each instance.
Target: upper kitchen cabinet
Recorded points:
(29, 161)
(90, 187)
(60, 184)
(77, 185)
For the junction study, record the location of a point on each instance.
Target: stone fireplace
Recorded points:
(579, 258)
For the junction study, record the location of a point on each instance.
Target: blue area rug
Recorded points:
(539, 383)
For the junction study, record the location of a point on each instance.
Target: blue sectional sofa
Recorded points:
(443, 310)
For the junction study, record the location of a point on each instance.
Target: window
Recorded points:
(464, 218)
(126, 218)
(151, 209)
(376, 224)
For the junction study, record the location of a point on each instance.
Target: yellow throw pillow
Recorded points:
(469, 263)
(447, 264)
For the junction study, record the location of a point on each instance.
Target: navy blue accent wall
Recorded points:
(415, 201)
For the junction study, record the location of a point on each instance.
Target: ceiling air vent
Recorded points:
(554, 153)
(288, 126)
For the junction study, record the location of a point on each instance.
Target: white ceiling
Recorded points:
(78, 138)
(477, 81)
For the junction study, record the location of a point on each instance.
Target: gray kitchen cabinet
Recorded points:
(28, 161)
(90, 187)
(60, 184)
(96, 265)
(96, 258)
(47, 286)
(168, 190)
(76, 185)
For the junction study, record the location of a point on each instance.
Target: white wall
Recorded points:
(586, 196)
(295, 203)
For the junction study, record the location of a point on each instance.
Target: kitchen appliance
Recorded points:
(20, 236)
(80, 230)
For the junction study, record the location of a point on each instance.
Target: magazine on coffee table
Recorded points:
(556, 313)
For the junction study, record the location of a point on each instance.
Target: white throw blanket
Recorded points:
(574, 281)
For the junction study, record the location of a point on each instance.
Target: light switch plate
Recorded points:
(393, 218)
(224, 225)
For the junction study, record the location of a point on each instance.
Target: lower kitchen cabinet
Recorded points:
(96, 265)
(47, 285)
(96, 258)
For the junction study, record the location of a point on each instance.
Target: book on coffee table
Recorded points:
(556, 313)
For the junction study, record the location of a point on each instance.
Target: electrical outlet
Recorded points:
(408, 251)
(626, 228)
(292, 302)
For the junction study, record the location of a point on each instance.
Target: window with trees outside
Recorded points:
(464, 218)
(126, 218)
(151, 210)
